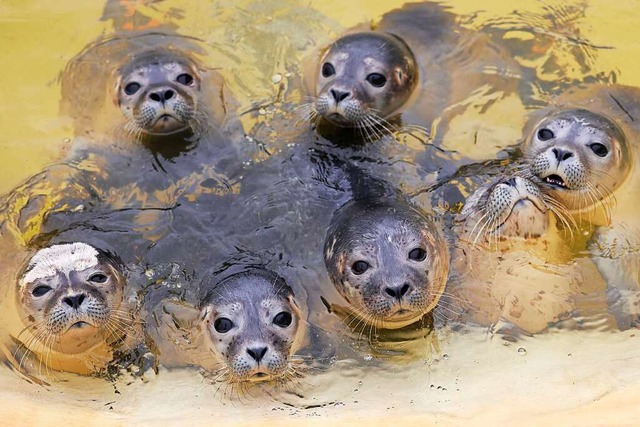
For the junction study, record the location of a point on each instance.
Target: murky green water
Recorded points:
(581, 371)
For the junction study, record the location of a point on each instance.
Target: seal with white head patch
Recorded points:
(253, 326)
(388, 260)
(71, 297)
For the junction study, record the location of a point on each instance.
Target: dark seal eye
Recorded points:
(377, 80)
(545, 134)
(599, 149)
(417, 254)
(282, 319)
(360, 267)
(223, 325)
(131, 88)
(38, 291)
(185, 79)
(328, 70)
(98, 278)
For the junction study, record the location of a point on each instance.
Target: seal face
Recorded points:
(581, 157)
(363, 78)
(388, 260)
(71, 295)
(254, 325)
(158, 93)
(512, 207)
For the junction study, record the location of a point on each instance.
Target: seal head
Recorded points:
(71, 296)
(388, 260)
(253, 325)
(158, 93)
(579, 156)
(363, 78)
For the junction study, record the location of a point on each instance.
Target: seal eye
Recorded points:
(359, 267)
(223, 325)
(545, 134)
(377, 80)
(185, 79)
(282, 319)
(599, 149)
(38, 291)
(98, 278)
(131, 88)
(417, 254)
(328, 70)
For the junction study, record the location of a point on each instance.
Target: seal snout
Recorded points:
(74, 301)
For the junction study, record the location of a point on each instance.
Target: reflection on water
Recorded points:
(262, 191)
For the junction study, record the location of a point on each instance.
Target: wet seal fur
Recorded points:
(387, 259)
(71, 297)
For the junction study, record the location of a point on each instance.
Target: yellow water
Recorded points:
(564, 377)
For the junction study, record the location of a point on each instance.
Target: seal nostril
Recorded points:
(566, 155)
(155, 97)
(391, 292)
(168, 94)
(404, 289)
(257, 353)
(74, 301)
(511, 182)
(339, 95)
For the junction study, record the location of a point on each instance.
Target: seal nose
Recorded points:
(162, 95)
(398, 292)
(339, 95)
(257, 353)
(74, 301)
(561, 154)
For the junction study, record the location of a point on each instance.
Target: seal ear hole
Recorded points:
(283, 319)
(599, 149)
(223, 325)
(359, 267)
(545, 134)
(376, 79)
(328, 70)
(41, 290)
(185, 79)
(417, 254)
(98, 278)
(132, 88)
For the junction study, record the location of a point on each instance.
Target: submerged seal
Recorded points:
(510, 262)
(388, 260)
(72, 300)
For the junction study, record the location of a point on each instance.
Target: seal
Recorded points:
(581, 151)
(364, 78)
(161, 89)
(158, 92)
(511, 265)
(404, 73)
(253, 324)
(387, 259)
(72, 301)
(581, 157)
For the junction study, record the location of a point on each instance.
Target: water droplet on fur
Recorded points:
(368, 358)
(445, 356)
(522, 351)
(276, 78)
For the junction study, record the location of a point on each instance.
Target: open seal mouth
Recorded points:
(555, 181)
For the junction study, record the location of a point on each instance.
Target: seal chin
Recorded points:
(166, 124)
(528, 218)
(400, 318)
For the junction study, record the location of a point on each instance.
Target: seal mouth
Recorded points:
(259, 377)
(555, 181)
(166, 124)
